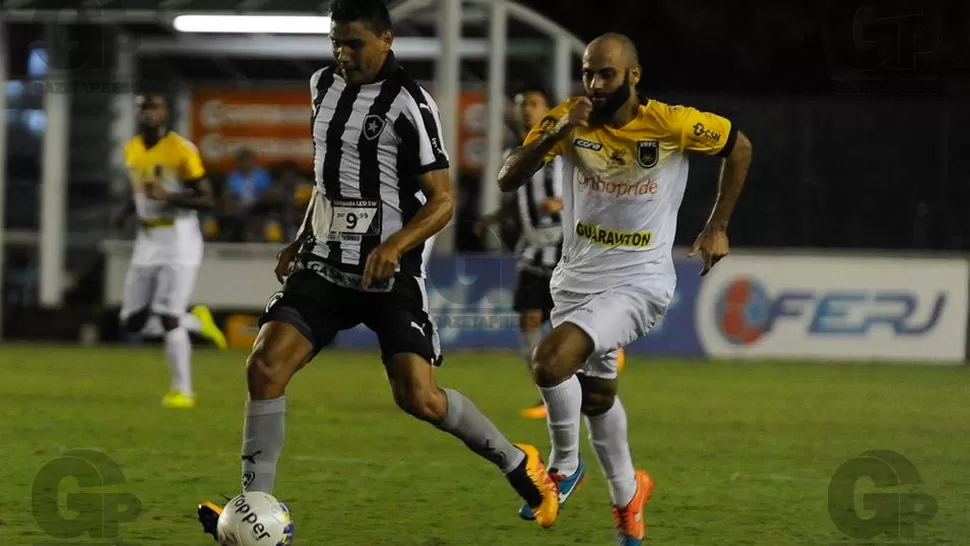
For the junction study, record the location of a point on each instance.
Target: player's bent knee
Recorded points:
(560, 355)
(550, 365)
(279, 352)
(265, 376)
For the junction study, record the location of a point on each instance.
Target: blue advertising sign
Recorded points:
(471, 296)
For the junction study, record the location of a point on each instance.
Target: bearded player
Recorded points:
(169, 187)
(538, 204)
(628, 170)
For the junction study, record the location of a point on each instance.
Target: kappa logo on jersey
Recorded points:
(648, 153)
(588, 144)
(618, 158)
(373, 126)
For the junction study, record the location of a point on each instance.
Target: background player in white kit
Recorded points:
(616, 277)
(168, 188)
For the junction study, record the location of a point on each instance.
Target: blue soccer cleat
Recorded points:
(567, 486)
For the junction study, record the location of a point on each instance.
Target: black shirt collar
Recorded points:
(387, 70)
(390, 66)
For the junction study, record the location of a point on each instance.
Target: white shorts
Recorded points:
(613, 318)
(164, 289)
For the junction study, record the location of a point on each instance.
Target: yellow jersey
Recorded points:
(623, 189)
(166, 234)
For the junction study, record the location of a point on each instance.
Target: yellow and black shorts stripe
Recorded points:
(150, 223)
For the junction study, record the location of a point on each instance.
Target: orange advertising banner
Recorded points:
(275, 124)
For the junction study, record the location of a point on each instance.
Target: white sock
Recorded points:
(564, 402)
(178, 349)
(191, 323)
(527, 345)
(153, 326)
(608, 436)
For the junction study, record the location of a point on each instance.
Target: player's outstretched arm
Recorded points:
(734, 171)
(525, 160)
(712, 243)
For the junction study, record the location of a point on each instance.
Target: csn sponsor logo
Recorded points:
(746, 311)
(705, 133)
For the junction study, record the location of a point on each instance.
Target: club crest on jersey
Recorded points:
(648, 153)
(373, 126)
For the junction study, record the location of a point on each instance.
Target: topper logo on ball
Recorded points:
(884, 46)
(91, 511)
(886, 485)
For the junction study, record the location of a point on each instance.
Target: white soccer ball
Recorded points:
(255, 519)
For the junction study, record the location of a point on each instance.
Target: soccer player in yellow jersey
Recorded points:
(169, 187)
(627, 165)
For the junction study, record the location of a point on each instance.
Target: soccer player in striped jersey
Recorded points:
(382, 191)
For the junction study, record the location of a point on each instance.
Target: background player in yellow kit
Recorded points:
(168, 188)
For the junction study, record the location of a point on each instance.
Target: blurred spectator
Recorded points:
(246, 197)
(292, 192)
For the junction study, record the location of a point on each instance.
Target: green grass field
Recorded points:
(741, 453)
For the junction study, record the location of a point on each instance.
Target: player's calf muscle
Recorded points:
(598, 395)
(414, 388)
(424, 404)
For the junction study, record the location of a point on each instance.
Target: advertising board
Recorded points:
(868, 308)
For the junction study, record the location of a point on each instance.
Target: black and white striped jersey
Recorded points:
(371, 144)
(540, 244)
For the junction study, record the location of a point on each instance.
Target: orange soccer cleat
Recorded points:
(630, 526)
(536, 487)
(536, 411)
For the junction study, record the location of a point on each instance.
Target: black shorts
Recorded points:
(319, 309)
(532, 293)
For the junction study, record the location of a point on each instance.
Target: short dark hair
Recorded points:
(535, 87)
(372, 12)
(149, 95)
